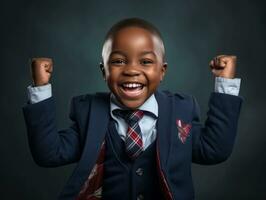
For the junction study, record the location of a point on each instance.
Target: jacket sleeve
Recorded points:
(213, 141)
(50, 147)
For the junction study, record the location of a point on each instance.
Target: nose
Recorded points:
(131, 70)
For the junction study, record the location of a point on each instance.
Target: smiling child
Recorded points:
(133, 142)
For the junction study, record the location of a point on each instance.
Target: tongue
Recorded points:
(132, 89)
(132, 92)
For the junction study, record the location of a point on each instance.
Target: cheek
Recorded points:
(154, 76)
(112, 76)
(107, 71)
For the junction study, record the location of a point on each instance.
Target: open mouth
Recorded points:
(132, 89)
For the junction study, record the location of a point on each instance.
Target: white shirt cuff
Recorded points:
(227, 85)
(39, 93)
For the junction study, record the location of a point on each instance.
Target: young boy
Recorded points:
(135, 142)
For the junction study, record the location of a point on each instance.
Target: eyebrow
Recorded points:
(142, 53)
(148, 52)
(118, 52)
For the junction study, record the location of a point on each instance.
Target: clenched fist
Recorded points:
(41, 70)
(223, 66)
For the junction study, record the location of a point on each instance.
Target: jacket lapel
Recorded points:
(164, 130)
(164, 126)
(97, 127)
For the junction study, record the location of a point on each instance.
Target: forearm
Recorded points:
(213, 142)
(50, 147)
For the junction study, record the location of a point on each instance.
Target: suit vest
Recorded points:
(125, 179)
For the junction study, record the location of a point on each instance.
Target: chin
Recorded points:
(132, 104)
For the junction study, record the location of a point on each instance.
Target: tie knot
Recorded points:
(130, 116)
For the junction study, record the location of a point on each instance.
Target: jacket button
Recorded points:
(139, 171)
(140, 197)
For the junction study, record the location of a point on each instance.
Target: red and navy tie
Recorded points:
(133, 140)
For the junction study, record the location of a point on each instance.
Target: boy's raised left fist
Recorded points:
(41, 70)
(224, 66)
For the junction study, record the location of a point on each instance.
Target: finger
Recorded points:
(220, 62)
(229, 58)
(211, 64)
(216, 72)
(48, 67)
(51, 68)
(218, 67)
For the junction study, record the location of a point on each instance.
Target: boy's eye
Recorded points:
(146, 62)
(119, 61)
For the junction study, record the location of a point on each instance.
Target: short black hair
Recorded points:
(135, 22)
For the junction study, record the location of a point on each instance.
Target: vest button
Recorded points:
(140, 197)
(139, 171)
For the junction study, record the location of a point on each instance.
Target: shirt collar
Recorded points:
(150, 105)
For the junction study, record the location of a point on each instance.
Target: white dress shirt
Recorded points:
(147, 124)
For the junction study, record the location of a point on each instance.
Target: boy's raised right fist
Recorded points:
(41, 70)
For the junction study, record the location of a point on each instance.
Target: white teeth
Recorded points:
(132, 85)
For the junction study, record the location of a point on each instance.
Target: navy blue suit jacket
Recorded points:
(208, 143)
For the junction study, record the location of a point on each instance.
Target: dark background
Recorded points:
(72, 32)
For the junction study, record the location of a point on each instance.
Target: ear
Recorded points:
(101, 65)
(164, 68)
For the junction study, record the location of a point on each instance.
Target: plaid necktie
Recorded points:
(133, 140)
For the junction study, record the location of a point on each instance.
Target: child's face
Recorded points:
(133, 66)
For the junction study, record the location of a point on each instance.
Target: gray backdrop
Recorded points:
(71, 32)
